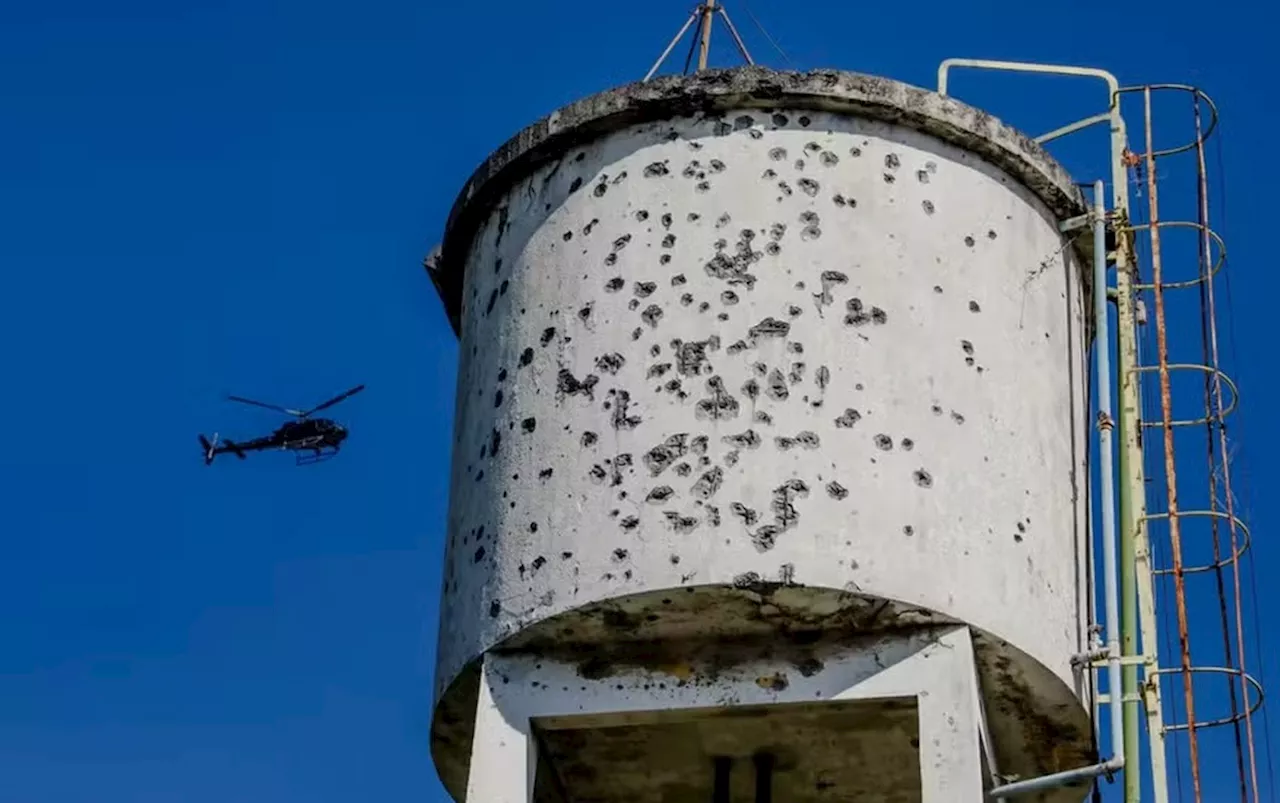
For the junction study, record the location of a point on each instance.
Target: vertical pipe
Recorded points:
(708, 11)
(1105, 452)
(720, 782)
(1170, 469)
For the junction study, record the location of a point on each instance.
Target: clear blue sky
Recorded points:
(202, 197)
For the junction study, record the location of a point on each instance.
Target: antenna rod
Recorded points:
(708, 11)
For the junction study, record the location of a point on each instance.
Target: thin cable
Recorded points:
(1244, 475)
(747, 8)
(1215, 431)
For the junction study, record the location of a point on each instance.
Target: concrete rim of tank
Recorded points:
(715, 91)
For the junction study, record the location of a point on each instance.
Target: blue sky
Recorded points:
(209, 197)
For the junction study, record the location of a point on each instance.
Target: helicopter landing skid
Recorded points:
(310, 458)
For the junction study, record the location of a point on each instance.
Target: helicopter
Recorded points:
(312, 439)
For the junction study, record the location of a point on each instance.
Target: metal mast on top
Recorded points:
(703, 13)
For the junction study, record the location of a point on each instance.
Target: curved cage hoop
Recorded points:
(1195, 94)
(1245, 542)
(1214, 267)
(1239, 716)
(1219, 417)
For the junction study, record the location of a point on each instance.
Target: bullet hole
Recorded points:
(642, 215)
(716, 166)
(589, 439)
(645, 289)
(600, 190)
(666, 220)
(892, 161)
(928, 207)
(721, 128)
(497, 398)
(502, 288)
(660, 457)
(597, 474)
(584, 314)
(748, 439)
(956, 417)
(937, 288)
(908, 444)
(723, 220)
(568, 385)
(785, 189)
(810, 233)
(664, 259)
(493, 297)
(678, 280)
(803, 120)
(575, 185)
(480, 476)
(680, 524)
(691, 169)
(908, 530)
(855, 152)
(808, 186)
(883, 442)
(620, 418)
(828, 159)
(621, 242)
(991, 234)
(533, 526)
(633, 304)
(796, 348)
(720, 405)
(529, 424)
(702, 186)
(772, 248)
(936, 410)
(630, 523)
(656, 371)
(651, 315)
(708, 483)
(799, 164)
(495, 607)
(761, 417)
(968, 241)
(966, 347)
(610, 260)
(614, 285)
(923, 478)
(479, 556)
(922, 176)
(769, 174)
(655, 169)
(669, 240)
(848, 418)
(547, 334)
(778, 154)
(779, 120)
(686, 299)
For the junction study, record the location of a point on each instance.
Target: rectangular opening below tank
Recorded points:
(866, 750)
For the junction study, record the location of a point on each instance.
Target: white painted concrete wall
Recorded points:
(904, 315)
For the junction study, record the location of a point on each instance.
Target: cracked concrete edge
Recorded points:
(744, 88)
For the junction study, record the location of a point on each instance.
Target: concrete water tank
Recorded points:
(768, 358)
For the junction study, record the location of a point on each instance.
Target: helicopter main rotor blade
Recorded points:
(277, 408)
(332, 401)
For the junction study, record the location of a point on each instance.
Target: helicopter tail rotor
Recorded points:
(210, 449)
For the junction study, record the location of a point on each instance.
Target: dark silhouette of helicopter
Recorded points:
(312, 439)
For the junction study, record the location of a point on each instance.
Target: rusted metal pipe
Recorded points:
(1170, 469)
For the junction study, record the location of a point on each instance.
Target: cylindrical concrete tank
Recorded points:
(808, 346)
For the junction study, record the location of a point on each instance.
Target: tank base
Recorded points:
(895, 717)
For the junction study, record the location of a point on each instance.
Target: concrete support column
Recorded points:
(950, 730)
(503, 757)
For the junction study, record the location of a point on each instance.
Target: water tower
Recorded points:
(769, 472)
